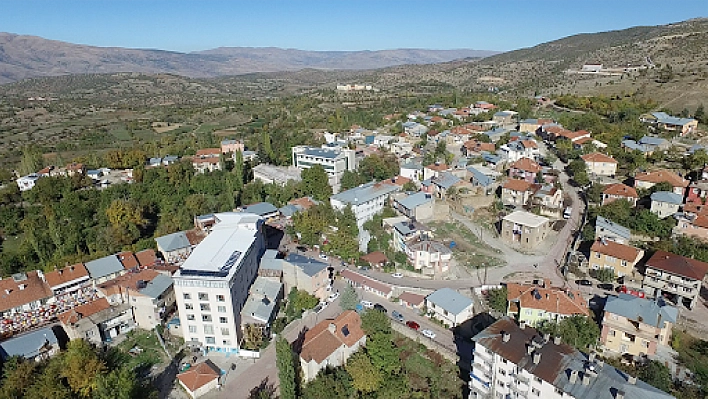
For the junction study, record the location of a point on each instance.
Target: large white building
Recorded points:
(212, 285)
(366, 200)
(335, 160)
(512, 361)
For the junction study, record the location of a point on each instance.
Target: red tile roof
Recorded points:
(199, 375)
(208, 152)
(328, 335)
(69, 273)
(440, 167)
(617, 250)
(598, 157)
(85, 310)
(146, 257)
(679, 265)
(527, 165)
(17, 293)
(400, 180)
(128, 260)
(127, 282)
(659, 176)
(412, 299)
(375, 258)
(553, 300)
(517, 185)
(363, 280)
(621, 190)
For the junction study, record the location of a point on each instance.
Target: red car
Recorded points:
(413, 325)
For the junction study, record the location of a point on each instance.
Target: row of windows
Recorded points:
(209, 329)
(207, 318)
(203, 296)
(204, 307)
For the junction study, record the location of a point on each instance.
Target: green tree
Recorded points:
(697, 160)
(285, 361)
(238, 169)
(700, 114)
(578, 331)
(118, 384)
(31, 161)
(375, 323)
(349, 298)
(329, 384)
(410, 186)
(656, 374)
(349, 180)
(82, 367)
(315, 183)
(497, 299)
(365, 377)
(605, 275)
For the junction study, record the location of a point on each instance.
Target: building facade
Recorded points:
(334, 160)
(212, 285)
(524, 229)
(676, 278)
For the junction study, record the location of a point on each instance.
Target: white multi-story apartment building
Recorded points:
(512, 361)
(212, 285)
(334, 160)
(366, 200)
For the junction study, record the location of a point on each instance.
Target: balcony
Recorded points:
(487, 357)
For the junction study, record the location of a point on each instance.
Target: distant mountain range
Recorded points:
(24, 57)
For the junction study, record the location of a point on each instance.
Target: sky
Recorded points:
(185, 26)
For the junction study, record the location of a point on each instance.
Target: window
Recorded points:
(535, 392)
(190, 317)
(612, 333)
(210, 340)
(208, 329)
(225, 331)
(204, 307)
(559, 392)
(193, 329)
(223, 320)
(206, 317)
(220, 298)
(597, 255)
(529, 312)
(187, 296)
(203, 296)
(538, 379)
(221, 309)
(502, 372)
(226, 342)
(188, 306)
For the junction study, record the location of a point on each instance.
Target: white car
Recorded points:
(397, 275)
(428, 334)
(367, 304)
(323, 256)
(333, 296)
(321, 306)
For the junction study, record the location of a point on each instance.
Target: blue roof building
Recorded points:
(40, 344)
(449, 306)
(105, 268)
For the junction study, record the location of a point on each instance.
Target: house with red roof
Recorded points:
(676, 278)
(200, 379)
(599, 164)
(207, 160)
(330, 343)
(524, 169)
(517, 192)
(619, 191)
(647, 180)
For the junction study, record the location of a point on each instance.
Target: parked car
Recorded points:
(397, 275)
(583, 282)
(333, 296)
(301, 248)
(606, 286)
(367, 304)
(413, 325)
(380, 308)
(320, 307)
(568, 212)
(397, 316)
(323, 256)
(428, 333)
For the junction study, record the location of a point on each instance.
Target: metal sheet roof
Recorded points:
(104, 266)
(450, 300)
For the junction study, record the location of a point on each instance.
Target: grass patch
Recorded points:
(151, 354)
(469, 250)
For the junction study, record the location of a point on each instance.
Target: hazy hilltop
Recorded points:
(682, 47)
(23, 57)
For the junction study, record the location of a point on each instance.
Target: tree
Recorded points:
(82, 367)
(118, 384)
(365, 377)
(697, 160)
(578, 331)
(410, 186)
(349, 298)
(32, 160)
(497, 299)
(349, 180)
(315, 182)
(238, 169)
(375, 322)
(253, 336)
(700, 114)
(285, 362)
(656, 374)
(605, 275)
